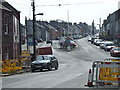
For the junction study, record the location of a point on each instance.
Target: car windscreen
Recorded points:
(110, 44)
(46, 58)
(39, 58)
(100, 40)
(118, 49)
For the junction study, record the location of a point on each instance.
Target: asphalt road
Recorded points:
(72, 72)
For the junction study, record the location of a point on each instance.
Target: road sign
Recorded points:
(25, 53)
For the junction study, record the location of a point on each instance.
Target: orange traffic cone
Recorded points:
(90, 83)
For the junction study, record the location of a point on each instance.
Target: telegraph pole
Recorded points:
(100, 26)
(118, 36)
(68, 23)
(26, 30)
(93, 28)
(34, 46)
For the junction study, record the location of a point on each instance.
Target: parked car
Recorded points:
(76, 37)
(73, 44)
(44, 62)
(102, 44)
(40, 40)
(45, 50)
(89, 40)
(92, 39)
(61, 41)
(36, 42)
(70, 43)
(49, 42)
(98, 42)
(108, 46)
(115, 52)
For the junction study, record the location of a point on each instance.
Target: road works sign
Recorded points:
(25, 53)
(106, 72)
(109, 72)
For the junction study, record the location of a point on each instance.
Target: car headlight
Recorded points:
(116, 51)
(47, 62)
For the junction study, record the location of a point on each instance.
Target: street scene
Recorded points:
(58, 53)
(72, 71)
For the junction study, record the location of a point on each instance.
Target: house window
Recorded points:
(0, 50)
(0, 53)
(6, 53)
(16, 29)
(6, 24)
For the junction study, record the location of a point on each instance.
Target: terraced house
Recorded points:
(9, 31)
(111, 27)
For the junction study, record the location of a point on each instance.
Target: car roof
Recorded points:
(116, 47)
(108, 42)
(46, 55)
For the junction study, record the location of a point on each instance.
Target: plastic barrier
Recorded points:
(26, 60)
(25, 53)
(110, 72)
(10, 66)
(18, 66)
(105, 72)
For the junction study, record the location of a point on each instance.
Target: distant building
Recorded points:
(119, 5)
(40, 31)
(50, 33)
(23, 34)
(76, 30)
(9, 32)
(111, 27)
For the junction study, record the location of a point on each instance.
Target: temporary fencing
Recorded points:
(14, 66)
(10, 66)
(106, 72)
(26, 60)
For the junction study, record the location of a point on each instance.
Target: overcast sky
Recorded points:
(79, 10)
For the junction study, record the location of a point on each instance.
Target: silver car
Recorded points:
(44, 62)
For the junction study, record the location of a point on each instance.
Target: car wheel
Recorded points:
(49, 67)
(111, 54)
(56, 68)
(41, 69)
(105, 49)
(33, 70)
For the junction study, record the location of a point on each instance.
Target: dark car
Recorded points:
(115, 52)
(44, 62)
(49, 42)
(40, 40)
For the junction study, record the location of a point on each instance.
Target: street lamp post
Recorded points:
(93, 28)
(68, 23)
(34, 45)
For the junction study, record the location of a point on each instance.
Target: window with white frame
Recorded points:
(16, 29)
(0, 53)
(6, 24)
(6, 53)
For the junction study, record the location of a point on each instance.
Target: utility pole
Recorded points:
(68, 23)
(26, 39)
(93, 28)
(118, 26)
(100, 26)
(34, 46)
